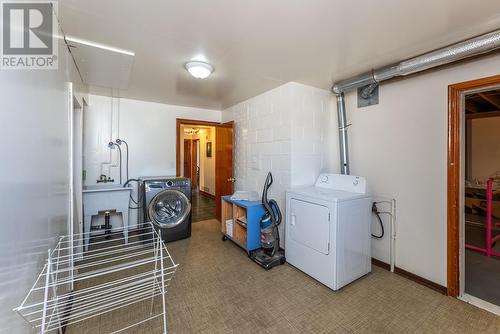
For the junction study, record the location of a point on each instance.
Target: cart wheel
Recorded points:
(282, 260)
(224, 238)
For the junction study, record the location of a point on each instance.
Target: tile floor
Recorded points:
(217, 289)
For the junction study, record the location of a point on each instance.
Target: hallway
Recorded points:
(202, 207)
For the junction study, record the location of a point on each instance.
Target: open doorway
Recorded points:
(482, 195)
(198, 164)
(473, 192)
(204, 155)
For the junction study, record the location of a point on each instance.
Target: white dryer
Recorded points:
(328, 229)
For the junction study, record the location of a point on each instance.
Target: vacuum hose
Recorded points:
(138, 203)
(273, 210)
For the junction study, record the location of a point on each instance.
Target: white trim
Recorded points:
(71, 134)
(461, 216)
(480, 303)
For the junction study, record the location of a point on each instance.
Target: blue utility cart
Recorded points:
(240, 222)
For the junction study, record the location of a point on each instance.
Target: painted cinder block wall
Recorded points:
(285, 131)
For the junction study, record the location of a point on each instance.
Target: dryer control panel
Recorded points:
(350, 183)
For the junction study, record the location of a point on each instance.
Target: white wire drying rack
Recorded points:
(113, 274)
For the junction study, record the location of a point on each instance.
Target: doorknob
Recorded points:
(231, 179)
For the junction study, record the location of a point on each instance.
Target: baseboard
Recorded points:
(203, 193)
(381, 264)
(411, 276)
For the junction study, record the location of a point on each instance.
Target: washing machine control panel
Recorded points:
(154, 185)
(177, 183)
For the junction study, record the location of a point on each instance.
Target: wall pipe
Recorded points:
(459, 51)
(343, 138)
(392, 229)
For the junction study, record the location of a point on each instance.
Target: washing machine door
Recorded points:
(169, 208)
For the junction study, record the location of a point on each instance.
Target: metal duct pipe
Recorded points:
(472, 47)
(344, 144)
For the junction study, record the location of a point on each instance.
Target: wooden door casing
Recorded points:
(224, 179)
(194, 163)
(456, 93)
(187, 157)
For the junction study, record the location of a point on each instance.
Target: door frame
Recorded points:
(193, 122)
(196, 160)
(456, 93)
(219, 178)
(77, 138)
(186, 149)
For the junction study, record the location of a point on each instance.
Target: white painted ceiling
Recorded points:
(256, 45)
(100, 67)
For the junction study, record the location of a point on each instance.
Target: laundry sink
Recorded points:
(105, 197)
(105, 187)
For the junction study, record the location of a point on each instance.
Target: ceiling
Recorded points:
(101, 67)
(483, 104)
(260, 44)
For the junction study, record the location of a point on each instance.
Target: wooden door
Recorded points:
(194, 163)
(188, 144)
(224, 180)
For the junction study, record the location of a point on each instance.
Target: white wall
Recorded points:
(283, 131)
(34, 177)
(400, 145)
(149, 129)
(485, 148)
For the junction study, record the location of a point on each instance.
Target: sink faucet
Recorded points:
(103, 179)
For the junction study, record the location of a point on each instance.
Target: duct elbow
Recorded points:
(336, 89)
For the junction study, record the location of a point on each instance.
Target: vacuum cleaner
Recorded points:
(270, 254)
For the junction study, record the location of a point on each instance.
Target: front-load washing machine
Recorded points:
(328, 229)
(167, 204)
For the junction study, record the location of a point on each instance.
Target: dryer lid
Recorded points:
(169, 208)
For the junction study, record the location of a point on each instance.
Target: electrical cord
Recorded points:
(375, 211)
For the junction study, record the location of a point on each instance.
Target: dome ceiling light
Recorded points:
(199, 69)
